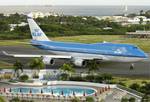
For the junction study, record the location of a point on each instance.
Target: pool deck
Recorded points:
(103, 91)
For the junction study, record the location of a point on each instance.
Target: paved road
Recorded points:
(122, 69)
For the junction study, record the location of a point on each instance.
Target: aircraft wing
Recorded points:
(51, 56)
(30, 56)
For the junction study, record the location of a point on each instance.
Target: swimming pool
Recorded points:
(56, 90)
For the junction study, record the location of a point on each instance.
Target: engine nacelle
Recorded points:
(48, 61)
(80, 62)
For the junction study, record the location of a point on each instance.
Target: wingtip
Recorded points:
(5, 53)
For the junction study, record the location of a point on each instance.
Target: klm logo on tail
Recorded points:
(36, 33)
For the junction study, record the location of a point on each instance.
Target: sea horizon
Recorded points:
(74, 10)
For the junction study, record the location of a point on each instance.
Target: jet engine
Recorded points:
(48, 61)
(79, 62)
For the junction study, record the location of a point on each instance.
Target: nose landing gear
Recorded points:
(132, 66)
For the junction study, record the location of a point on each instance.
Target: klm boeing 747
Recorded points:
(80, 53)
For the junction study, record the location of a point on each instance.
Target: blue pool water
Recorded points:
(56, 90)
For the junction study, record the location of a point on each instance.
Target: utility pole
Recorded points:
(125, 10)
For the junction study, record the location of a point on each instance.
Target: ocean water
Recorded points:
(74, 10)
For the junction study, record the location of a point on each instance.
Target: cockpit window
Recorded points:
(135, 47)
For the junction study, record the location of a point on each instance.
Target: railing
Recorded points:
(131, 91)
(44, 97)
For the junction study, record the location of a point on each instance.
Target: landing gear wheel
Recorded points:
(132, 66)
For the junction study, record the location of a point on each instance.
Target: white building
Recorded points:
(13, 26)
(125, 20)
(114, 18)
(41, 15)
(137, 19)
(36, 14)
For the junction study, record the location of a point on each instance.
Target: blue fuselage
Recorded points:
(109, 49)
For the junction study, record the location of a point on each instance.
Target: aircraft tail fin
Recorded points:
(36, 31)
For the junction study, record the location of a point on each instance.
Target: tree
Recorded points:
(64, 77)
(92, 66)
(147, 14)
(146, 98)
(107, 77)
(67, 68)
(135, 86)
(4, 26)
(36, 64)
(145, 88)
(17, 67)
(141, 20)
(142, 12)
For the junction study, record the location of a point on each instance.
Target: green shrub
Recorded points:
(132, 99)
(90, 99)
(7, 76)
(23, 78)
(98, 79)
(90, 78)
(64, 77)
(75, 100)
(135, 86)
(18, 100)
(124, 100)
(13, 81)
(76, 78)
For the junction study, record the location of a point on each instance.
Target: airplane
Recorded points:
(80, 53)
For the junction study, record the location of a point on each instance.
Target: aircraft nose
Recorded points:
(143, 55)
(146, 55)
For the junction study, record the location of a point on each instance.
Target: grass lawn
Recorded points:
(5, 65)
(15, 42)
(131, 80)
(142, 43)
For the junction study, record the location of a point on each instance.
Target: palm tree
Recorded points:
(67, 68)
(92, 66)
(141, 20)
(141, 12)
(36, 63)
(17, 67)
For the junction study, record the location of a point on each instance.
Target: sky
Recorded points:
(74, 2)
